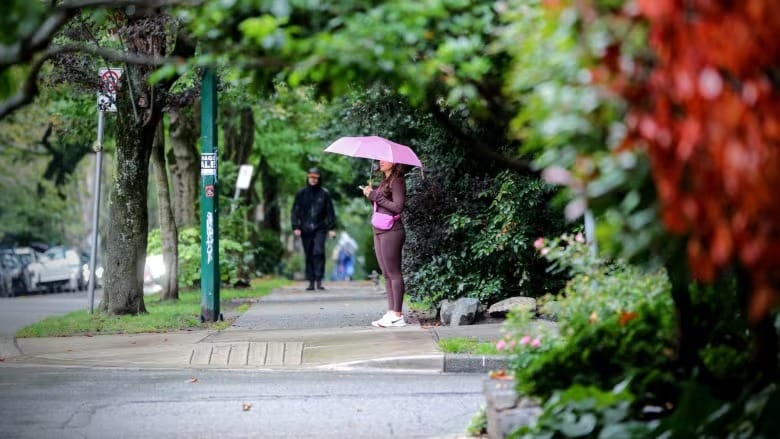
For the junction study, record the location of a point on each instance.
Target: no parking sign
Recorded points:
(109, 82)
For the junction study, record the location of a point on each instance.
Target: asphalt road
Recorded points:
(18, 312)
(43, 402)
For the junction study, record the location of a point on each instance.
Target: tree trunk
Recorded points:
(271, 213)
(184, 165)
(128, 218)
(687, 343)
(239, 134)
(139, 109)
(169, 234)
(238, 127)
(765, 347)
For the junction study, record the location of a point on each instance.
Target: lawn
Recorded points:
(161, 316)
(463, 345)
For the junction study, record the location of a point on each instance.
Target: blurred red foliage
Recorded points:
(707, 110)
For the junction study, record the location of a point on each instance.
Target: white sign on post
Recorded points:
(244, 177)
(109, 82)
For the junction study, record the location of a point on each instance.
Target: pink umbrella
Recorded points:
(375, 147)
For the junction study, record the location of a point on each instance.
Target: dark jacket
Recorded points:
(313, 210)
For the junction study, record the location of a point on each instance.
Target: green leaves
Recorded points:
(19, 19)
(414, 46)
(257, 30)
(581, 411)
(486, 252)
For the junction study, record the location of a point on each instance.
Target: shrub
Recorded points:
(267, 252)
(615, 325)
(579, 411)
(190, 256)
(293, 263)
(483, 249)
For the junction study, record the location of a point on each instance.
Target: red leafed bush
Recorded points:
(706, 107)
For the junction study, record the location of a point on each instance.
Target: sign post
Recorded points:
(242, 182)
(209, 202)
(106, 101)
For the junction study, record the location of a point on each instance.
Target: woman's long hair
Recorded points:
(396, 172)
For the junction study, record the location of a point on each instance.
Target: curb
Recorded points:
(469, 363)
(9, 348)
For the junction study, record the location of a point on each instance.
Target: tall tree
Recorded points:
(140, 104)
(169, 234)
(238, 131)
(184, 163)
(433, 53)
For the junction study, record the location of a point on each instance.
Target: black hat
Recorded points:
(313, 172)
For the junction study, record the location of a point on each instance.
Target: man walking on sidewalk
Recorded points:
(312, 218)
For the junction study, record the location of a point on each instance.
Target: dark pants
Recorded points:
(388, 246)
(314, 249)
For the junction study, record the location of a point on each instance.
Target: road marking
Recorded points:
(247, 354)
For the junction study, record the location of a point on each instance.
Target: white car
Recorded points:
(57, 267)
(154, 274)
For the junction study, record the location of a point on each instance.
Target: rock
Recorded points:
(500, 309)
(505, 411)
(464, 312)
(445, 311)
(549, 311)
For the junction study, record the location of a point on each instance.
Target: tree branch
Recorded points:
(115, 4)
(29, 88)
(479, 146)
(24, 50)
(45, 140)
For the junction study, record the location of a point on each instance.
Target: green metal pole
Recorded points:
(209, 201)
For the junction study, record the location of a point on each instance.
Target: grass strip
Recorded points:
(161, 316)
(465, 345)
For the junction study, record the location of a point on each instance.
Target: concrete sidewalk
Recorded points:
(290, 329)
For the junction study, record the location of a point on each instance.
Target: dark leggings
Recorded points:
(388, 247)
(314, 249)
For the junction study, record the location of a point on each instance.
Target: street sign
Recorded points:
(244, 176)
(208, 163)
(109, 82)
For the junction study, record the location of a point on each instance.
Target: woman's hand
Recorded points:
(367, 191)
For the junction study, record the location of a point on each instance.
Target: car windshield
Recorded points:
(9, 261)
(55, 253)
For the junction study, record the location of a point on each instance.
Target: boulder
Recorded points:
(500, 309)
(464, 312)
(445, 311)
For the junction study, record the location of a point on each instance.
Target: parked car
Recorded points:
(26, 256)
(154, 274)
(10, 273)
(57, 267)
(85, 271)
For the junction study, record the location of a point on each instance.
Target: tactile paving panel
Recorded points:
(247, 354)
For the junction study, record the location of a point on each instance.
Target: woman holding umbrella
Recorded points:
(388, 200)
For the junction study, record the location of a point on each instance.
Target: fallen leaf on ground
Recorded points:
(500, 375)
(193, 380)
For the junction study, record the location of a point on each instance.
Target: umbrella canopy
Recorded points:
(375, 147)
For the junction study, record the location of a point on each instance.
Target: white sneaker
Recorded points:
(384, 319)
(390, 320)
